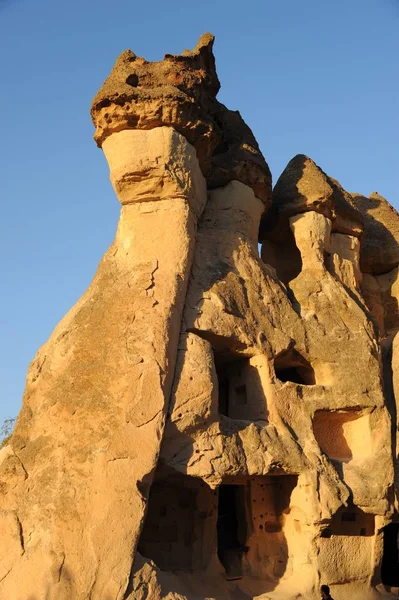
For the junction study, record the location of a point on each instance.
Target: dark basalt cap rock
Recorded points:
(303, 187)
(176, 91)
(380, 250)
(180, 92)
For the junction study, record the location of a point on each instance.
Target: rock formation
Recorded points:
(205, 423)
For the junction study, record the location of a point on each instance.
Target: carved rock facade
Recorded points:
(208, 423)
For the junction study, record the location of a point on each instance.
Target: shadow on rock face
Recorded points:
(380, 250)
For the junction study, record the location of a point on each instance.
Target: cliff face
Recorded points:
(205, 422)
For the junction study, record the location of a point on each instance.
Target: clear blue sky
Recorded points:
(315, 77)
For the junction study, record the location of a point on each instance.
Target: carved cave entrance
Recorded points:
(244, 524)
(232, 528)
(251, 526)
(390, 557)
(240, 387)
(177, 530)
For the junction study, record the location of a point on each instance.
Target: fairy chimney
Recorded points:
(205, 422)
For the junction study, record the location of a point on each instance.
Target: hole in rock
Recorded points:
(175, 525)
(326, 533)
(241, 392)
(343, 434)
(291, 366)
(132, 80)
(390, 557)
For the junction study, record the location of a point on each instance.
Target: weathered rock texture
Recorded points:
(180, 92)
(206, 423)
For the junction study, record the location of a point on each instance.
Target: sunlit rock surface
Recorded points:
(206, 423)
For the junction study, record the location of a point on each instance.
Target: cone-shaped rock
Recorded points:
(303, 186)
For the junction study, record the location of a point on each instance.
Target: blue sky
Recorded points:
(320, 78)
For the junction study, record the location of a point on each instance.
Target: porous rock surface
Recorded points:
(206, 423)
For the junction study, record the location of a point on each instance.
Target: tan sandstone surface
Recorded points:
(206, 423)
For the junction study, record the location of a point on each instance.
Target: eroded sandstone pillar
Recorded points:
(75, 475)
(80, 463)
(207, 423)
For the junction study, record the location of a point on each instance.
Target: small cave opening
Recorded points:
(390, 557)
(291, 366)
(231, 529)
(241, 389)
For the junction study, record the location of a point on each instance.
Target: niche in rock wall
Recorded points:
(343, 434)
(250, 527)
(291, 366)
(350, 521)
(177, 532)
(390, 557)
(346, 546)
(241, 387)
